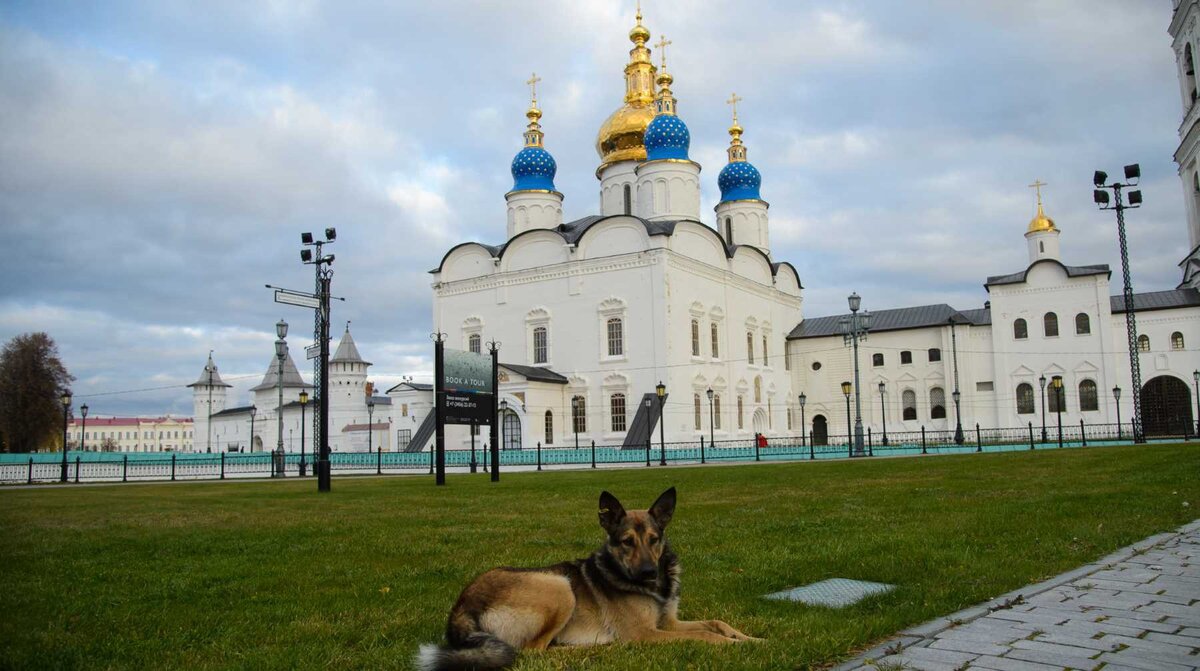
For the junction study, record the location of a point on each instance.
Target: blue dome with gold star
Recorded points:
(667, 137)
(533, 169)
(739, 180)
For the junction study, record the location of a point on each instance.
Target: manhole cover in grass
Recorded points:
(835, 592)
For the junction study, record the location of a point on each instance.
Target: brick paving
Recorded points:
(1135, 610)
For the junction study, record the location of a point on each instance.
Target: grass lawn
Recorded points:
(271, 575)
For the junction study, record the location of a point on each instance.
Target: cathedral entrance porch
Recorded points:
(1167, 407)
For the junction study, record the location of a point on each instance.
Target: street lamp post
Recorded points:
(712, 435)
(854, 329)
(65, 398)
(371, 431)
(1042, 384)
(281, 329)
(803, 424)
(1133, 173)
(500, 420)
(846, 386)
(883, 411)
(958, 431)
(649, 431)
(1195, 386)
(1117, 402)
(303, 405)
(576, 409)
(83, 411)
(1057, 383)
(661, 390)
(253, 412)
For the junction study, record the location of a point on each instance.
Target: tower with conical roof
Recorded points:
(208, 398)
(619, 141)
(1042, 235)
(533, 201)
(742, 213)
(668, 182)
(347, 390)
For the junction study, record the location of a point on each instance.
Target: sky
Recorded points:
(159, 159)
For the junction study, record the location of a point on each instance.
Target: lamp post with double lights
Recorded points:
(661, 390)
(803, 424)
(711, 430)
(83, 411)
(65, 399)
(371, 431)
(883, 411)
(854, 329)
(1133, 173)
(281, 329)
(253, 412)
(1117, 402)
(303, 405)
(1057, 383)
(1042, 384)
(846, 387)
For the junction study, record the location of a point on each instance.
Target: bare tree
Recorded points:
(32, 378)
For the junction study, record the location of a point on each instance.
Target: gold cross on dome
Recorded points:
(734, 99)
(1038, 184)
(533, 82)
(662, 45)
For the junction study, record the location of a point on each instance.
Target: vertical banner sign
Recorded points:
(464, 390)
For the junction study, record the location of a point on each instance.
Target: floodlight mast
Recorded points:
(1133, 173)
(324, 276)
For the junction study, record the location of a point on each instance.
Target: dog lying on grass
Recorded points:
(628, 590)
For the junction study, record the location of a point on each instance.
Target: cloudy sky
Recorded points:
(159, 159)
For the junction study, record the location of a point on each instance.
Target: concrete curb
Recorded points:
(926, 632)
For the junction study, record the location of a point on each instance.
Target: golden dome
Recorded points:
(620, 136)
(1040, 221)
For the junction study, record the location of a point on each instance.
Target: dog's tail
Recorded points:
(479, 651)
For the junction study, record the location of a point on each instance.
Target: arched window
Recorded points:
(579, 414)
(935, 354)
(741, 407)
(758, 389)
(937, 403)
(1020, 329)
(1177, 340)
(909, 403)
(696, 411)
(765, 359)
(549, 428)
(1143, 343)
(716, 341)
(1025, 399)
(877, 359)
(787, 360)
(1083, 324)
(749, 347)
(1052, 397)
(616, 406)
(1088, 399)
(905, 357)
(540, 339)
(1189, 76)
(616, 337)
(716, 410)
(628, 200)
(473, 343)
(695, 337)
(728, 231)
(1050, 325)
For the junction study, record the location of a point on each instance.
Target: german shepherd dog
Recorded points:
(628, 590)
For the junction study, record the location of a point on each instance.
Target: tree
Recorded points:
(32, 379)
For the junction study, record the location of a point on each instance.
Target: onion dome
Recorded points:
(620, 136)
(1040, 221)
(666, 137)
(739, 180)
(533, 168)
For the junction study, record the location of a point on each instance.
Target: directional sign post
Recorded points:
(313, 351)
(297, 298)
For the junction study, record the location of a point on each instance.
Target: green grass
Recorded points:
(271, 575)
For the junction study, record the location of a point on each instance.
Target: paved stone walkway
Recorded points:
(1135, 610)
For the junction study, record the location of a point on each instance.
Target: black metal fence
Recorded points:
(115, 467)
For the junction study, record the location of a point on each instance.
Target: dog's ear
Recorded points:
(611, 511)
(664, 508)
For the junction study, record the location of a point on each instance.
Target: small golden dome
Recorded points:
(639, 33)
(1041, 222)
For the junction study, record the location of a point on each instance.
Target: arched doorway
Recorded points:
(820, 430)
(1167, 407)
(256, 445)
(760, 421)
(512, 431)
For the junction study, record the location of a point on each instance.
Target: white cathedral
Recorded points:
(591, 315)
